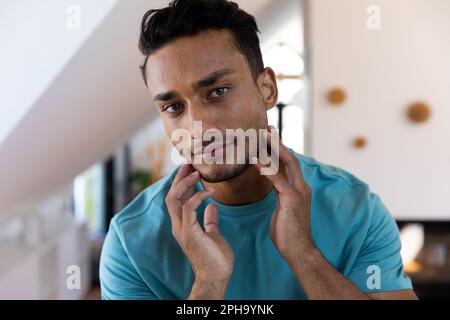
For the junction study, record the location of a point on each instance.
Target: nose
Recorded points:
(200, 118)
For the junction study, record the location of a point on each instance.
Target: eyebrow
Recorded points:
(210, 79)
(166, 96)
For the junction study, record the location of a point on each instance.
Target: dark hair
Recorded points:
(190, 17)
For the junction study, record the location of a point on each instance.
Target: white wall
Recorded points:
(383, 71)
(96, 103)
(37, 39)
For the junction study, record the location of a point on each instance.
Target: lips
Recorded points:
(213, 150)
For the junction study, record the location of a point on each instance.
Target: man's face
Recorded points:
(205, 78)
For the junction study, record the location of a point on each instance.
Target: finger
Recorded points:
(189, 210)
(178, 192)
(174, 210)
(287, 159)
(287, 173)
(211, 219)
(273, 227)
(183, 172)
(279, 180)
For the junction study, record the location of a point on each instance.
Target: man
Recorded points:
(225, 231)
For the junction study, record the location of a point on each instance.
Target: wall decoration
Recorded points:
(419, 112)
(337, 96)
(360, 142)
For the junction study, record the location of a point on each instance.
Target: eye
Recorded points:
(173, 108)
(219, 92)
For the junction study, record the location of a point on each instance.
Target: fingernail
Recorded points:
(209, 190)
(195, 174)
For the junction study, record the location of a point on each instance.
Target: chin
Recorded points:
(214, 173)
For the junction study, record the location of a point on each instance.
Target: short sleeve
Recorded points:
(378, 266)
(119, 279)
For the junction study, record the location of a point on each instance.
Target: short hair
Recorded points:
(189, 17)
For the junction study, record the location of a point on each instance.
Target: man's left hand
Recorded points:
(290, 225)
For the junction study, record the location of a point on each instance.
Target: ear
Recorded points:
(267, 83)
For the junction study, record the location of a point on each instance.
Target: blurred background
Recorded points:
(363, 86)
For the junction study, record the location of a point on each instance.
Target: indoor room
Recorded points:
(357, 91)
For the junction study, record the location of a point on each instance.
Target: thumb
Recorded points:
(211, 219)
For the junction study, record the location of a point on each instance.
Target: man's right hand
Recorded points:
(208, 252)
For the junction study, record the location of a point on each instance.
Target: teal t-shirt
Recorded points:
(350, 226)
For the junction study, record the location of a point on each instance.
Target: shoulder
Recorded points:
(145, 219)
(139, 244)
(320, 174)
(136, 232)
(345, 213)
(340, 198)
(335, 188)
(335, 185)
(151, 200)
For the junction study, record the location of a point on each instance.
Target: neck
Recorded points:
(249, 187)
